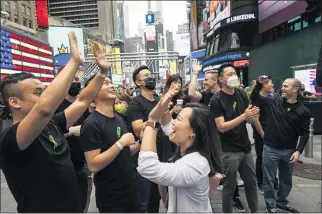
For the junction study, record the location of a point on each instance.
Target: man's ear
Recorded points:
(14, 103)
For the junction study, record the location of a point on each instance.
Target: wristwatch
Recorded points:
(155, 125)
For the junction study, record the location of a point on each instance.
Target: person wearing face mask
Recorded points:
(137, 114)
(72, 137)
(121, 104)
(231, 110)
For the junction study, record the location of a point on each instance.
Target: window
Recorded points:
(30, 24)
(15, 19)
(28, 10)
(24, 22)
(23, 8)
(14, 5)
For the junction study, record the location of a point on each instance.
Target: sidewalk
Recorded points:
(305, 195)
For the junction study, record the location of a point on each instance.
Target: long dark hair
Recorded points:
(171, 79)
(206, 140)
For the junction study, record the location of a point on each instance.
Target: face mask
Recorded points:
(120, 108)
(150, 83)
(74, 89)
(232, 81)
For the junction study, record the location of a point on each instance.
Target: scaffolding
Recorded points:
(125, 63)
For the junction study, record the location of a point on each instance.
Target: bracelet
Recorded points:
(119, 145)
(101, 74)
(195, 73)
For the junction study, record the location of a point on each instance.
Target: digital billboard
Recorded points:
(218, 10)
(182, 44)
(41, 14)
(267, 8)
(150, 33)
(58, 40)
(273, 13)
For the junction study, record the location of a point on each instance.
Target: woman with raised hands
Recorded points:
(196, 160)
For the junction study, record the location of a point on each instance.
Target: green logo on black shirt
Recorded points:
(288, 109)
(51, 138)
(234, 105)
(118, 132)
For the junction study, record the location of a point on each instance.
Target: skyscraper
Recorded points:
(126, 20)
(159, 7)
(99, 16)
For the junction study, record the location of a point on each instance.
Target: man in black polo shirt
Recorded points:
(35, 157)
(210, 81)
(231, 109)
(287, 120)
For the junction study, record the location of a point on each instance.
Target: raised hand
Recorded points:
(173, 91)
(100, 58)
(74, 51)
(262, 79)
(196, 67)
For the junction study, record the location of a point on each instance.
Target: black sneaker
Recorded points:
(287, 209)
(271, 210)
(238, 205)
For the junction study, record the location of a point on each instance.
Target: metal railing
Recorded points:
(308, 151)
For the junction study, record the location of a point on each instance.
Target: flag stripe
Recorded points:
(44, 76)
(30, 69)
(31, 60)
(31, 51)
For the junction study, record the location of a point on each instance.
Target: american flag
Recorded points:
(19, 54)
(312, 76)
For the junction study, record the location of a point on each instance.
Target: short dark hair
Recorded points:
(10, 80)
(223, 66)
(137, 71)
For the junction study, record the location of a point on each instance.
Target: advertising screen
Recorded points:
(150, 33)
(41, 14)
(267, 8)
(273, 13)
(219, 10)
(182, 44)
(60, 43)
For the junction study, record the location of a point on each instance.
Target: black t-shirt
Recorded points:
(76, 151)
(115, 184)
(230, 107)
(206, 97)
(139, 109)
(41, 178)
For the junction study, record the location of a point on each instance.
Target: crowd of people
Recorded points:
(139, 147)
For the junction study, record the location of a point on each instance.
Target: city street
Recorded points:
(305, 195)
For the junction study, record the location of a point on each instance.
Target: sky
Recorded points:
(174, 13)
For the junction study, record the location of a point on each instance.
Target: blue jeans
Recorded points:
(273, 159)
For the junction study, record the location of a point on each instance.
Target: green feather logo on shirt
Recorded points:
(288, 109)
(234, 106)
(51, 138)
(118, 132)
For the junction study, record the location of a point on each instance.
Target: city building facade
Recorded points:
(20, 15)
(99, 16)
